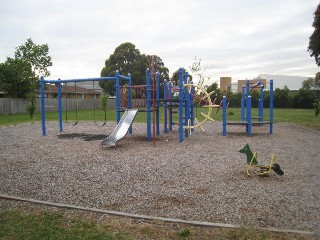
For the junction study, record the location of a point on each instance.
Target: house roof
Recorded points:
(70, 89)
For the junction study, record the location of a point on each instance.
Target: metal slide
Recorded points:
(122, 128)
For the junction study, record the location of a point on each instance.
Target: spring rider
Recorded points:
(261, 170)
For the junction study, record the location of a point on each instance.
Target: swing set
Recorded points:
(76, 107)
(59, 83)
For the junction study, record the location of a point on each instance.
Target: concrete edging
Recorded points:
(145, 217)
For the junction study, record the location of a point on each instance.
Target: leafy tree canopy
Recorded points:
(214, 88)
(19, 77)
(314, 85)
(308, 84)
(175, 76)
(314, 40)
(128, 59)
(159, 67)
(36, 55)
(16, 77)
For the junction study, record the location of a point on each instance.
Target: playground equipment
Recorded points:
(152, 92)
(186, 91)
(191, 92)
(198, 89)
(246, 110)
(122, 128)
(59, 83)
(77, 106)
(261, 170)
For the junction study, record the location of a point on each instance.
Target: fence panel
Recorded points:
(19, 105)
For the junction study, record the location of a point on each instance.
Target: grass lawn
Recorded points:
(303, 117)
(39, 224)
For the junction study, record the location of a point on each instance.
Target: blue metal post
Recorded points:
(271, 106)
(148, 83)
(43, 114)
(187, 104)
(261, 103)
(224, 115)
(170, 110)
(247, 93)
(129, 90)
(247, 88)
(157, 103)
(181, 105)
(165, 106)
(118, 108)
(259, 108)
(242, 103)
(248, 128)
(60, 106)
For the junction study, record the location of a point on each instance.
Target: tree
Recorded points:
(126, 59)
(255, 96)
(316, 86)
(316, 103)
(303, 99)
(314, 40)
(37, 56)
(175, 76)
(104, 104)
(159, 67)
(217, 92)
(308, 84)
(196, 69)
(281, 97)
(16, 77)
(309, 94)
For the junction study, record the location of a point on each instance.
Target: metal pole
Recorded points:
(247, 95)
(118, 96)
(43, 114)
(248, 128)
(187, 104)
(171, 106)
(165, 107)
(129, 90)
(242, 103)
(261, 103)
(60, 107)
(224, 115)
(148, 83)
(271, 106)
(181, 105)
(157, 103)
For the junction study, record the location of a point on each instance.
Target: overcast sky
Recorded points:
(236, 38)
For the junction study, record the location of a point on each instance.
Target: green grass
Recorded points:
(303, 117)
(40, 224)
(19, 225)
